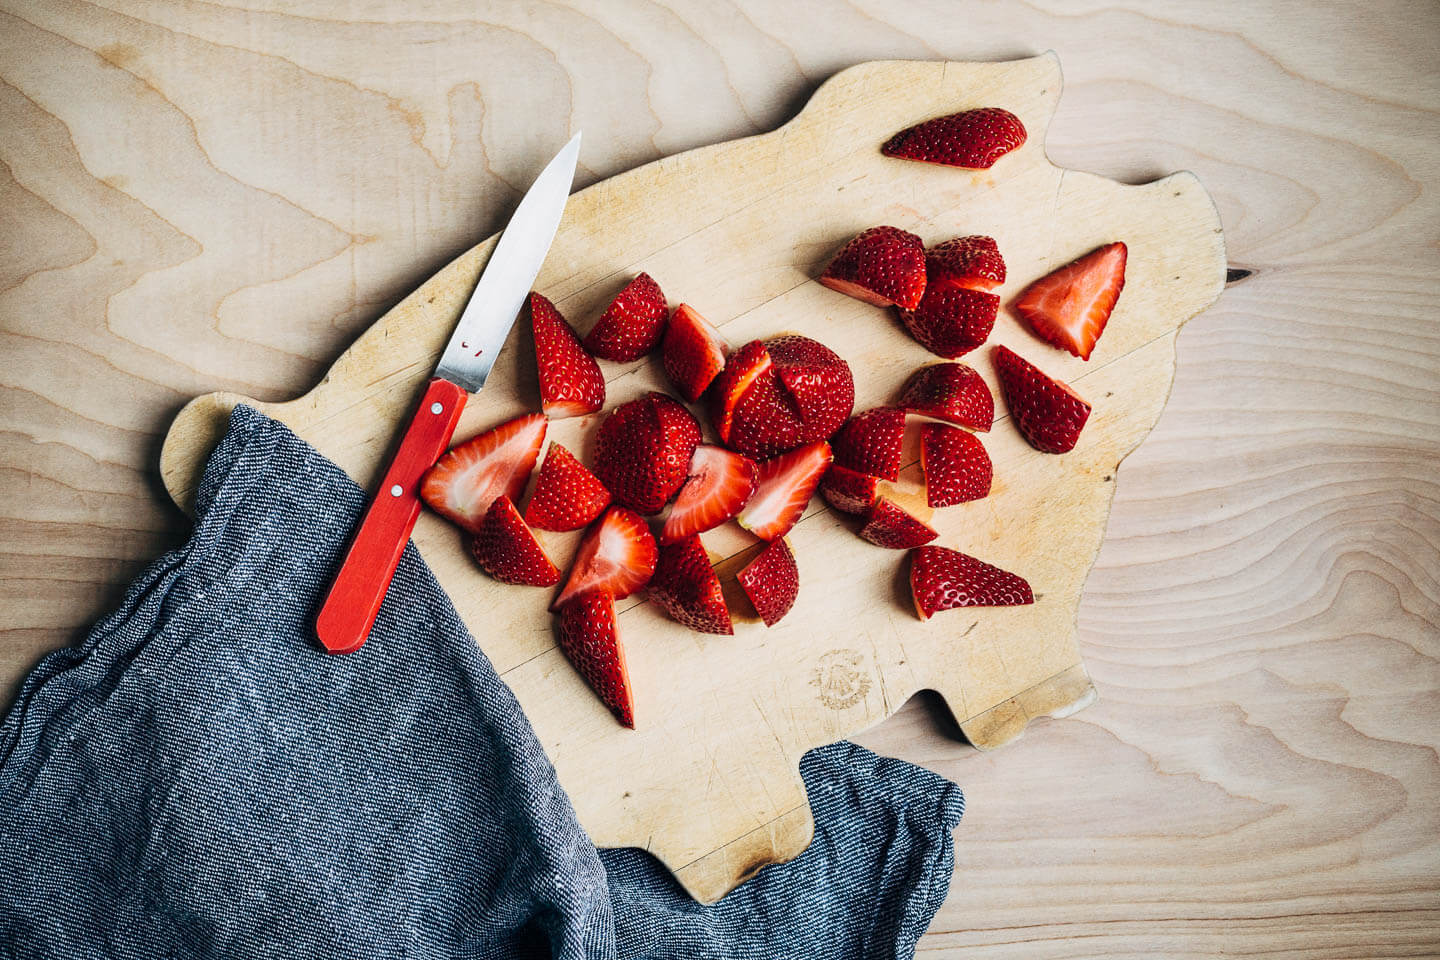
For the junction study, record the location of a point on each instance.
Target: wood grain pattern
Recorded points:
(1260, 774)
(709, 780)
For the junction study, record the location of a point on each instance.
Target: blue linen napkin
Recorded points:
(196, 779)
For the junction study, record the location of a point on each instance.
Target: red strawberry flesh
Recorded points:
(973, 139)
(643, 451)
(890, 526)
(1048, 414)
(721, 482)
(507, 550)
(617, 555)
(973, 262)
(951, 392)
(785, 485)
(943, 579)
(849, 491)
(567, 496)
(804, 396)
(632, 325)
(740, 371)
(693, 352)
(869, 442)
(1070, 307)
(952, 320)
(570, 380)
(883, 265)
(957, 468)
(772, 582)
(590, 639)
(463, 483)
(685, 587)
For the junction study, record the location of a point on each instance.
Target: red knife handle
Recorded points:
(354, 599)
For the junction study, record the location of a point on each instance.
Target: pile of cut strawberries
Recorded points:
(782, 411)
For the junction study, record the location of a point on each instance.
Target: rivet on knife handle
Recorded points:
(354, 599)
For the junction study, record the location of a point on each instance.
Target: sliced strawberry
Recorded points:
(892, 527)
(786, 483)
(849, 491)
(570, 380)
(590, 639)
(943, 579)
(643, 450)
(974, 139)
(869, 442)
(720, 484)
(804, 397)
(957, 468)
(883, 265)
(507, 550)
(771, 581)
(632, 325)
(741, 370)
(693, 352)
(567, 496)
(617, 555)
(1069, 307)
(951, 392)
(952, 320)
(465, 481)
(685, 586)
(973, 262)
(1047, 412)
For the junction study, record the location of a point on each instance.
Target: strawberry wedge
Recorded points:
(590, 639)
(721, 483)
(786, 483)
(463, 483)
(1070, 307)
(616, 556)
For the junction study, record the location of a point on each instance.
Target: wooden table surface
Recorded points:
(196, 196)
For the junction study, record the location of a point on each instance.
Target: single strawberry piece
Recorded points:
(952, 320)
(973, 139)
(744, 367)
(805, 396)
(1047, 412)
(685, 587)
(973, 262)
(693, 352)
(590, 639)
(567, 496)
(849, 491)
(869, 442)
(890, 526)
(617, 555)
(643, 451)
(1069, 307)
(771, 581)
(943, 579)
(632, 325)
(465, 481)
(951, 392)
(786, 483)
(883, 265)
(570, 380)
(957, 468)
(720, 484)
(508, 551)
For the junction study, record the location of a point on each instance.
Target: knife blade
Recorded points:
(360, 583)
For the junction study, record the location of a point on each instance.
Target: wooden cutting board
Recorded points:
(709, 781)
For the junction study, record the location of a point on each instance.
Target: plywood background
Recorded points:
(181, 181)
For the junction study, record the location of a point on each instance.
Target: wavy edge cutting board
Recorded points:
(709, 782)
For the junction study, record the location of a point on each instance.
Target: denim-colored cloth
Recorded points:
(198, 780)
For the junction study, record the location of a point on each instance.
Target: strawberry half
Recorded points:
(951, 392)
(632, 325)
(974, 139)
(869, 442)
(744, 367)
(952, 320)
(1047, 412)
(1069, 307)
(693, 352)
(570, 380)
(590, 640)
(973, 262)
(771, 581)
(508, 551)
(463, 483)
(720, 484)
(804, 396)
(849, 491)
(685, 587)
(567, 496)
(786, 483)
(890, 526)
(883, 265)
(943, 579)
(616, 556)
(643, 451)
(957, 468)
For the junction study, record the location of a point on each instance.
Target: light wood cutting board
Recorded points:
(709, 781)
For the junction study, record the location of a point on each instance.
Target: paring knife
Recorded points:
(354, 599)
